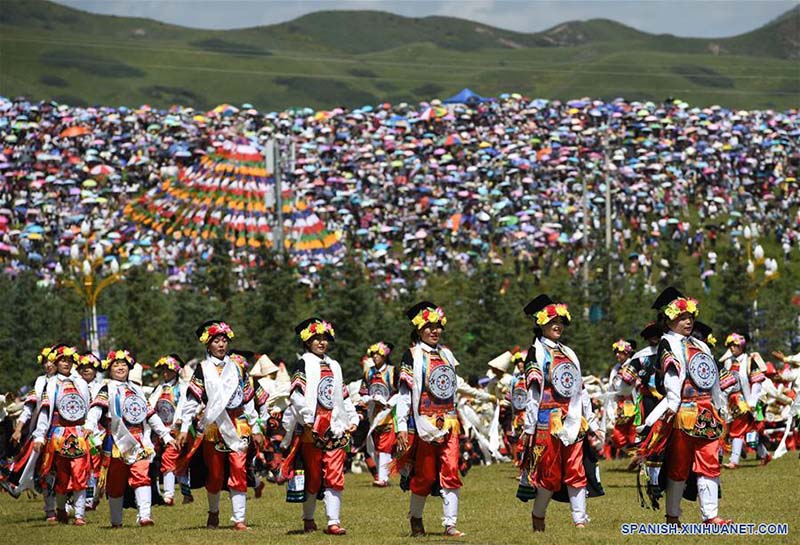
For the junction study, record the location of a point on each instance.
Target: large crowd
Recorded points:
(415, 188)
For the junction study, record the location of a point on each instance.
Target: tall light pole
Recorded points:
(86, 279)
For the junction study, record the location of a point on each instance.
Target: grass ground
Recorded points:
(489, 514)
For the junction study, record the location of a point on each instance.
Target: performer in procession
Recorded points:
(271, 398)
(686, 424)
(557, 416)
(518, 398)
(22, 470)
(743, 395)
(167, 400)
(427, 421)
(378, 387)
(229, 421)
(638, 375)
(60, 435)
(122, 407)
(622, 405)
(319, 422)
(89, 367)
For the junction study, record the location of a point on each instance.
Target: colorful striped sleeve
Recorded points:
(406, 374)
(299, 377)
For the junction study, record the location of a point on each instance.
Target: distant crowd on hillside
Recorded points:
(416, 189)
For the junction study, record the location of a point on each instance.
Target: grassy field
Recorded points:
(489, 514)
(326, 59)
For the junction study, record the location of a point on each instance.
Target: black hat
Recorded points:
(667, 296)
(328, 329)
(537, 304)
(633, 344)
(701, 330)
(419, 307)
(178, 359)
(650, 330)
(246, 354)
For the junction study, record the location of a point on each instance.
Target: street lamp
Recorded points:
(86, 278)
(755, 259)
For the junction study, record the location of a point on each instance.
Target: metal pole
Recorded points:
(585, 238)
(278, 199)
(608, 194)
(94, 335)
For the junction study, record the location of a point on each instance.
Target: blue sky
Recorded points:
(700, 18)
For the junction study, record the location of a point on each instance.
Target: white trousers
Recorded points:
(450, 506)
(213, 502)
(169, 485)
(708, 496)
(239, 503)
(143, 502)
(384, 459)
(736, 449)
(333, 505)
(577, 502)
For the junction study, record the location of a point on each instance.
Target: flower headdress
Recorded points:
(518, 356)
(429, 316)
(549, 312)
(379, 348)
(711, 340)
(170, 362)
(115, 355)
(680, 305)
(43, 355)
(317, 327)
(214, 329)
(63, 351)
(735, 338)
(89, 360)
(622, 346)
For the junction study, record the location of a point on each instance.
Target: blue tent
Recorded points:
(466, 96)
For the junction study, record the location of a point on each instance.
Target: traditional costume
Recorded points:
(517, 398)
(168, 399)
(686, 425)
(229, 419)
(128, 419)
(638, 375)
(318, 424)
(378, 388)
(622, 404)
(61, 434)
(558, 416)
(426, 408)
(90, 368)
(743, 396)
(271, 399)
(23, 473)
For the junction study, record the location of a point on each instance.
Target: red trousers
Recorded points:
(215, 464)
(740, 425)
(623, 435)
(432, 459)
(169, 457)
(322, 467)
(559, 464)
(686, 452)
(72, 474)
(384, 441)
(121, 475)
(96, 463)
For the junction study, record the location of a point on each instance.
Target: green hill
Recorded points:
(358, 57)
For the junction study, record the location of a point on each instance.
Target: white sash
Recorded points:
(572, 421)
(377, 419)
(425, 430)
(339, 421)
(219, 389)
